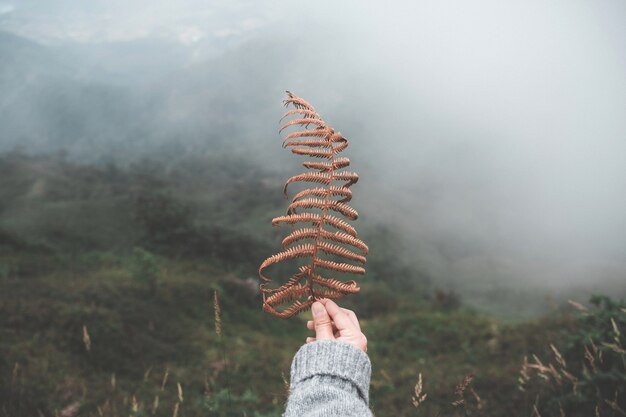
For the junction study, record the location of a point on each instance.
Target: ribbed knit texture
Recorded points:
(329, 378)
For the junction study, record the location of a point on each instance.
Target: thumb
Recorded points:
(322, 322)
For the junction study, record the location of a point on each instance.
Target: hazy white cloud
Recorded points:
(497, 126)
(251, 24)
(191, 35)
(226, 32)
(6, 8)
(185, 21)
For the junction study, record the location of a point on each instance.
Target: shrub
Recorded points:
(144, 268)
(586, 374)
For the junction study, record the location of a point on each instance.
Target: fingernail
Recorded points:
(317, 308)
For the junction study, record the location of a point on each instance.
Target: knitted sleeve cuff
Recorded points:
(350, 365)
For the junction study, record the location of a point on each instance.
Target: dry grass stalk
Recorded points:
(155, 404)
(113, 381)
(561, 411)
(86, 339)
(218, 314)
(180, 392)
(614, 406)
(207, 386)
(597, 411)
(146, 374)
(286, 383)
(70, 410)
(547, 371)
(543, 372)
(479, 401)
(165, 375)
(571, 378)
(386, 375)
(578, 306)
(559, 358)
(614, 347)
(15, 373)
(419, 397)
(615, 330)
(597, 352)
(555, 374)
(175, 412)
(524, 375)
(459, 391)
(536, 412)
(134, 405)
(590, 358)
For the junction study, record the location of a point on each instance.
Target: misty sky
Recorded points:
(184, 21)
(502, 125)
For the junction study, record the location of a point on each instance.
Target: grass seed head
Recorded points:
(155, 404)
(459, 391)
(15, 373)
(559, 358)
(578, 306)
(615, 329)
(180, 392)
(218, 314)
(419, 397)
(165, 375)
(86, 339)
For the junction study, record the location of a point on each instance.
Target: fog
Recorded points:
(491, 133)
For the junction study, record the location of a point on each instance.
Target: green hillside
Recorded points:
(107, 283)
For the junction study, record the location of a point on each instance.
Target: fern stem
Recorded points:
(320, 226)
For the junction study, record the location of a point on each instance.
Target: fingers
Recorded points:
(352, 317)
(322, 322)
(311, 326)
(338, 315)
(331, 322)
(350, 313)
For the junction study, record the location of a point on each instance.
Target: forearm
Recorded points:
(329, 378)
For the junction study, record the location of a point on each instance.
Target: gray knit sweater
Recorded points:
(329, 379)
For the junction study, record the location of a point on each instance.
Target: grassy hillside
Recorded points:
(107, 279)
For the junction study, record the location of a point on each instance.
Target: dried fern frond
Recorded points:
(321, 236)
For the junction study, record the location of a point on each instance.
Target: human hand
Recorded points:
(332, 322)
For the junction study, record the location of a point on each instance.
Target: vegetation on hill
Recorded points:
(107, 283)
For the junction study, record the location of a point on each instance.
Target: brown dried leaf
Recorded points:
(305, 286)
